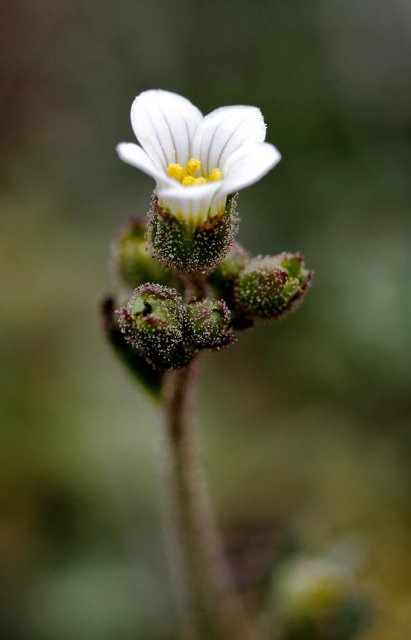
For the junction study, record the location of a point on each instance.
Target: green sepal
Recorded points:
(188, 248)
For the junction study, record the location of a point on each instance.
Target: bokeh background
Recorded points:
(305, 425)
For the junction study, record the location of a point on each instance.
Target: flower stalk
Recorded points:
(213, 611)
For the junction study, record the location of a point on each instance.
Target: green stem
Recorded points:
(214, 611)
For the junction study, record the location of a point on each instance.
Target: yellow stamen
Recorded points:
(188, 180)
(215, 175)
(176, 171)
(187, 175)
(193, 166)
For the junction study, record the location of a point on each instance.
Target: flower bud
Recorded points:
(208, 324)
(317, 599)
(132, 259)
(191, 248)
(153, 321)
(151, 379)
(269, 287)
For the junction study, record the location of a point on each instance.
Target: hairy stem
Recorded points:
(213, 610)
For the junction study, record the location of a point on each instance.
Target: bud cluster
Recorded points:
(167, 331)
(159, 327)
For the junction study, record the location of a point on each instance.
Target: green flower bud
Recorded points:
(317, 600)
(208, 324)
(153, 322)
(132, 258)
(269, 287)
(191, 248)
(150, 378)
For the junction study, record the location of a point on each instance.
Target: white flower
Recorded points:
(197, 161)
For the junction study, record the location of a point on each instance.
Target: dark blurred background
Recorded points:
(304, 424)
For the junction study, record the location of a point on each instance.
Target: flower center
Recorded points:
(191, 174)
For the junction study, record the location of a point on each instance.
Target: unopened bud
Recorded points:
(269, 287)
(132, 258)
(208, 324)
(191, 248)
(153, 321)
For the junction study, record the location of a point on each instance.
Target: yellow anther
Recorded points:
(193, 165)
(215, 175)
(187, 175)
(176, 171)
(191, 180)
(188, 180)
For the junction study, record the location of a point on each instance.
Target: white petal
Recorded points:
(137, 157)
(225, 130)
(164, 124)
(247, 165)
(192, 204)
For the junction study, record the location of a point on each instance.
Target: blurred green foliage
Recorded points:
(306, 423)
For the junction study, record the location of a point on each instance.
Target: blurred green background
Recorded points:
(305, 425)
